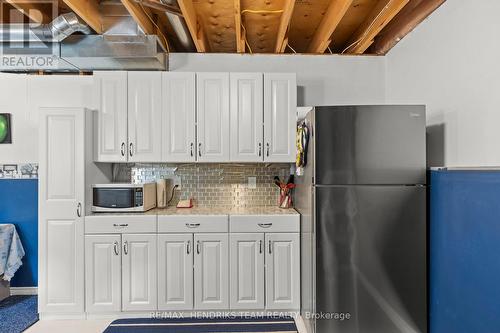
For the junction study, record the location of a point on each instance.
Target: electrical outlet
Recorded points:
(252, 182)
(176, 180)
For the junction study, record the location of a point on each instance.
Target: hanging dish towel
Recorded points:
(11, 251)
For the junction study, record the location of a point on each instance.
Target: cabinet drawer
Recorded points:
(192, 223)
(264, 223)
(120, 224)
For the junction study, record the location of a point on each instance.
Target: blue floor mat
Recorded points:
(201, 325)
(17, 313)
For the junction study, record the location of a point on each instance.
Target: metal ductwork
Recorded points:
(179, 25)
(55, 31)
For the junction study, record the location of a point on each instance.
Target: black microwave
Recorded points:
(123, 197)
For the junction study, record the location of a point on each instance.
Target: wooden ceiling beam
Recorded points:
(404, 23)
(88, 11)
(240, 39)
(381, 15)
(144, 19)
(282, 39)
(194, 26)
(323, 35)
(34, 11)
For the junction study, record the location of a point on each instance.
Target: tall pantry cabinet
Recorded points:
(61, 210)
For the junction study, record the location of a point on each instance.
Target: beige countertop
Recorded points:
(209, 211)
(222, 211)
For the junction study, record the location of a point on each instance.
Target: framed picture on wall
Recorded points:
(5, 128)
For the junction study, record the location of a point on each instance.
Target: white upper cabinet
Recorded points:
(175, 272)
(213, 117)
(110, 101)
(144, 116)
(246, 117)
(282, 271)
(139, 272)
(247, 271)
(61, 205)
(280, 108)
(179, 110)
(103, 273)
(211, 270)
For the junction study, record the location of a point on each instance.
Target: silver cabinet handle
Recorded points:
(260, 246)
(198, 249)
(267, 148)
(260, 149)
(270, 247)
(125, 248)
(115, 247)
(192, 147)
(192, 225)
(130, 151)
(265, 225)
(199, 149)
(123, 149)
(188, 247)
(122, 225)
(79, 209)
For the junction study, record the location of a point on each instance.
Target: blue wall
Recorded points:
(465, 252)
(19, 206)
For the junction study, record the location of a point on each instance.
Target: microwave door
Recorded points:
(119, 198)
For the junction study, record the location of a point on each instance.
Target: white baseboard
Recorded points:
(23, 291)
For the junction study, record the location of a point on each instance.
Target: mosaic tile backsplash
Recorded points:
(212, 185)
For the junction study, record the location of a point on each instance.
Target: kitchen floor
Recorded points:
(92, 326)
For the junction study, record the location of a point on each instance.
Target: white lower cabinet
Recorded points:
(103, 270)
(139, 272)
(181, 270)
(282, 271)
(211, 272)
(247, 271)
(175, 272)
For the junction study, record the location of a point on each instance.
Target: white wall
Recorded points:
(321, 80)
(451, 62)
(22, 95)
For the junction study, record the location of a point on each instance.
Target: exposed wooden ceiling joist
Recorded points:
(36, 12)
(329, 23)
(382, 14)
(281, 39)
(194, 26)
(87, 10)
(408, 18)
(240, 39)
(144, 18)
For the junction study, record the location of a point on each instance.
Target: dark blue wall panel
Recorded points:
(465, 252)
(19, 206)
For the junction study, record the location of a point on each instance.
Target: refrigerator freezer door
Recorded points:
(371, 258)
(370, 145)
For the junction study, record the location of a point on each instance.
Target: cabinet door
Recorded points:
(246, 117)
(213, 116)
(175, 272)
(282, 271)
(247, 271)
(139, 272)
(103, 273)
(144, 116)
(179, 100)
(211, 263)
(110, 101)
(60, 203)
(280, 117)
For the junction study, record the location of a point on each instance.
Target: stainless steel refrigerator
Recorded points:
(362, 198)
